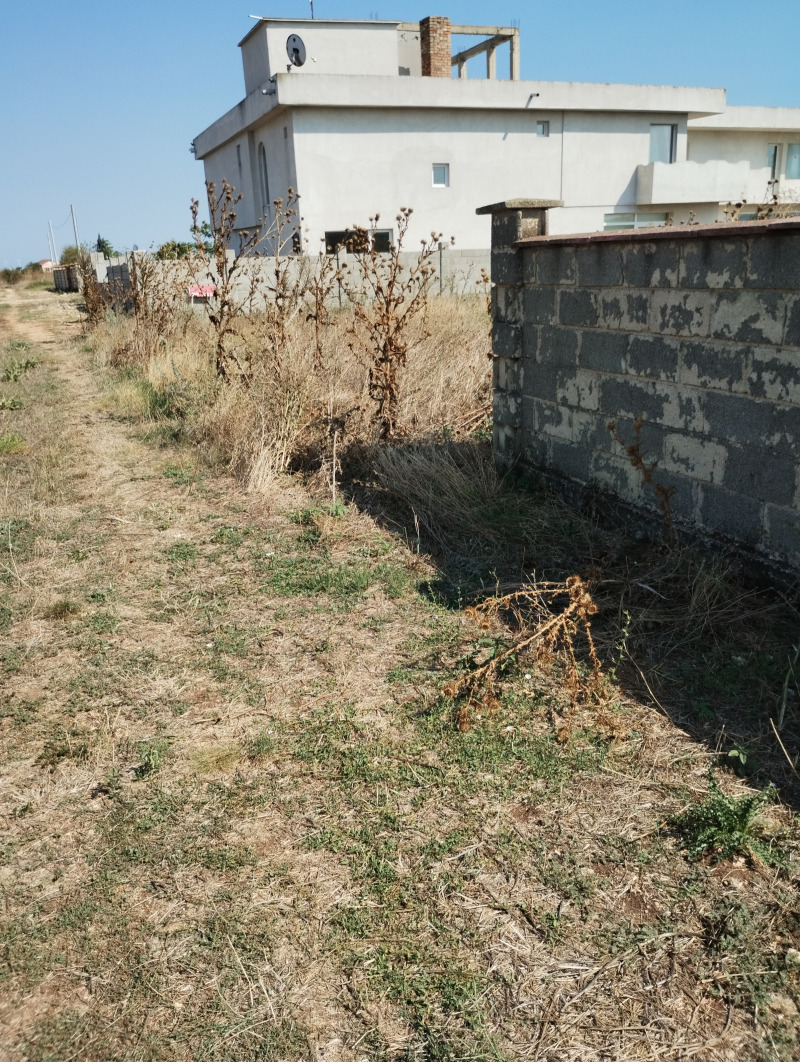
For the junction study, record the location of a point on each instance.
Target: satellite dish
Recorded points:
(296, 50)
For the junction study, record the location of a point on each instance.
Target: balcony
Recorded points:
(663, 183)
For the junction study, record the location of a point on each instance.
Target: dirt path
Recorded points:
(237, 820)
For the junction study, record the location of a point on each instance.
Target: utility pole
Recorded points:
(75, 227)
(52, 240)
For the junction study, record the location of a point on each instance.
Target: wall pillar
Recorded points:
(512, 220)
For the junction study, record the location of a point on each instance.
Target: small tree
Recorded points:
(387, 297)
(104, 247)
(70, 255)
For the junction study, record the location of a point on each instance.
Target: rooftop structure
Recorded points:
(361, 117)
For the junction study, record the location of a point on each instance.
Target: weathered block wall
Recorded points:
(696, 332)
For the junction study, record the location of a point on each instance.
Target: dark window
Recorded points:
(357, 242)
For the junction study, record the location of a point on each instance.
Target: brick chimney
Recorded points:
(434, 35)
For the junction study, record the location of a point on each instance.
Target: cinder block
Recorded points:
(785, 435)
(508, 374)
(571, 460)
(624, 311)
(775, 261)
(683, 499)
(603, 351)
(775, 374)
(539, 305)
(680, 313)
(579, 308)
(506, 340)
(599, 265)
(535, 451)
(745, 422)
(651, 438)
(504, 444)
(651, 265)
(768, 477)
(749, 316)
(654, 356)
(695, 456)
(618, 475)
(632, 398)
(792, 331)
(714, 364)
(713, 263)
(581, 389)
(782, 537)
(553, 420)
(558, 346)
(726, 513)
(506, 267)
(544, 379)
(507, 408)
(590, 429)
(506, 229)
(555, 265)
(507, 303)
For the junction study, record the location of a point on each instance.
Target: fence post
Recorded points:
(512, 220)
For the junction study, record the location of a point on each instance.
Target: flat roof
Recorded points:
(321, 22)
(751, 119)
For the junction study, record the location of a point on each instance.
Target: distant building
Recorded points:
(365, 117)
(47, 265)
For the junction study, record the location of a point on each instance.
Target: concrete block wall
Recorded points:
(694, 332)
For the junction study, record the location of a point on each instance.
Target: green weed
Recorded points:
(11, 443)
(722, 827)
(9, 402)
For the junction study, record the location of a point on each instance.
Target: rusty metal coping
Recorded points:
(520, 204)
(665, 232)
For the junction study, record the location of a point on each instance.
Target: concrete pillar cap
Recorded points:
(520, 204)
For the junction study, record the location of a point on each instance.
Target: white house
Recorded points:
(364, 117)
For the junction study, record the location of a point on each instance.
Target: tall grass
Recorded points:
(285, 413)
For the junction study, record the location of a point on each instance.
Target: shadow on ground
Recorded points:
(701, 633)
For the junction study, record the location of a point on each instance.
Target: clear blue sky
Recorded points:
(99, 102)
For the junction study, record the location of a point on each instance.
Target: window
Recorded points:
(239, 162)
(355, 243)
(663, 143)
(262, 173)
(617, 222)
(793, 162)
(441, 175)
(543, 129)
(772, 160)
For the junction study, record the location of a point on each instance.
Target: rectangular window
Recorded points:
(441, 175)
(543, 129)
(663, 143)
(355, 243)
(772, 160)
(793, 162)
(618, 222)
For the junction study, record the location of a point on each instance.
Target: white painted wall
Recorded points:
(731, 145)
(368, 48)
(352, 164)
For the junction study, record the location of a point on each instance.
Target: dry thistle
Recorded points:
(530, 611)
(387, 300)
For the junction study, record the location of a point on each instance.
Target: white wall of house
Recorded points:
(356, 139)
(332, 47)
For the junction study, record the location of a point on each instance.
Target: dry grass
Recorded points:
(239, 823)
